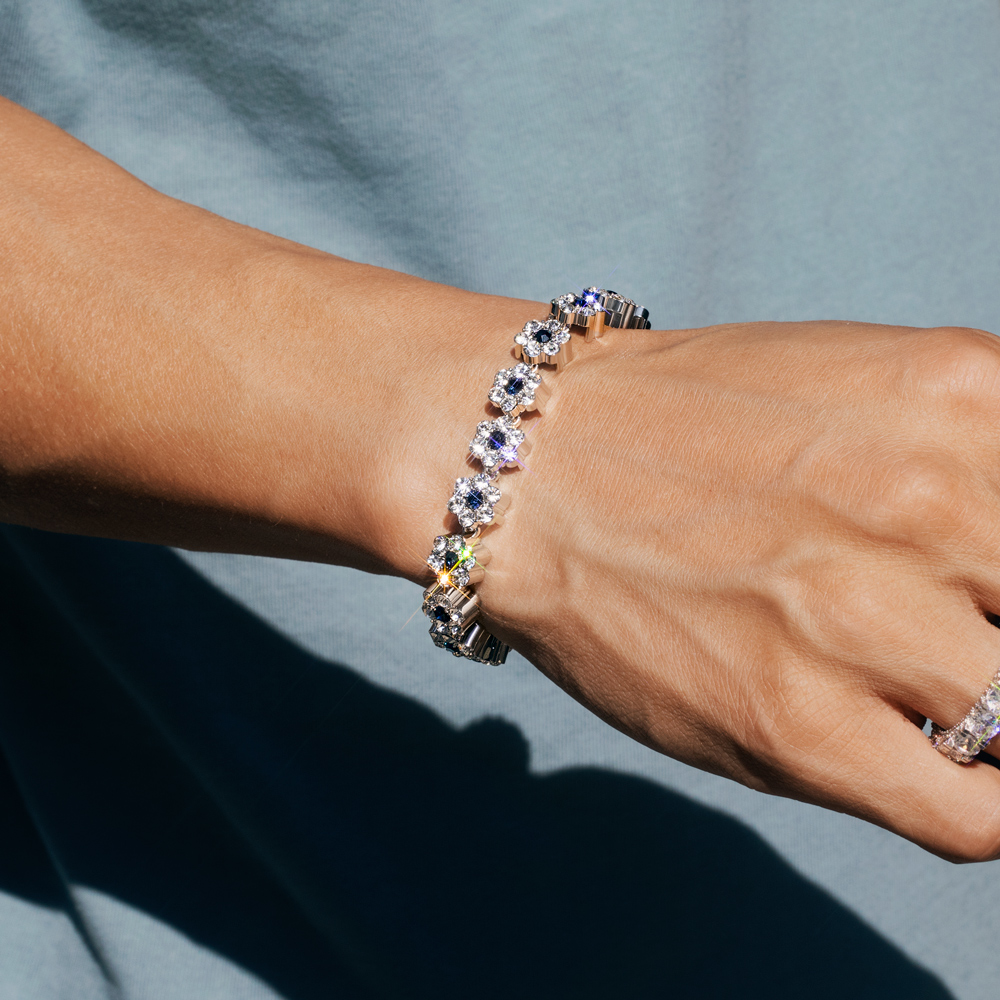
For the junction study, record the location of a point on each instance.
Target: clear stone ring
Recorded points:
(964, 741)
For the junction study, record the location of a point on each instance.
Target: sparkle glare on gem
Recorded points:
(451, 560)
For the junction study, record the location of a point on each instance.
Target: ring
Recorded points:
(963, 742)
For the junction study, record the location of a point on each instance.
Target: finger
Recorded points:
(952, 666)
(942, 507)
(925, 648)
(889, 774)
(905, 638)
(956, 665)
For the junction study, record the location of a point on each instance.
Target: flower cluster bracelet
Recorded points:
(458, 560)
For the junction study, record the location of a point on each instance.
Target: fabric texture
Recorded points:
(226, 777)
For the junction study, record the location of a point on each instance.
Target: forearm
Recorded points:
(764, 549)
(173, 377)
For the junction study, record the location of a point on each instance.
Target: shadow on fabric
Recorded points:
(166, 747)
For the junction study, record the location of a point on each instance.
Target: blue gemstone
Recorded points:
(450, 558)
(474, 499)
(543, 336)
(514, 386)
(497, 440)
(441, 614)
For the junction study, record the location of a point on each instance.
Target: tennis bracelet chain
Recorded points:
(458, 560)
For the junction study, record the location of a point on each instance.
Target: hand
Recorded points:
(766, 550)
(769, 550)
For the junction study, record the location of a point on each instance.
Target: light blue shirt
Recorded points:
(229, 777)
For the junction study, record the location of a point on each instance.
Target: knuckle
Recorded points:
(956, 364)
(791, 717)
(924, 491)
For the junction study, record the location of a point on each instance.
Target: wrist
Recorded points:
(371, 403)
(173, 377)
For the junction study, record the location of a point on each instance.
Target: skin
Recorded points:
(767, 550)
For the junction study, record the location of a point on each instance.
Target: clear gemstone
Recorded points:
(980, 718)
(965, 742)
(992, 699)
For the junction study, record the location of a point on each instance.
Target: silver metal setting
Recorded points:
(597, 309)
(964, 741)
(450, 610)
(623, 313)
(640, 319)
(497, 442)
(482, 646)
(546, 342)
(476, 501)
(517, 389)
(618, 310)
(476, 643)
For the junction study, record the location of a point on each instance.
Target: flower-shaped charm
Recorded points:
(450, 611)
(585, 309)
(496, 443)
(544, 342)
(514, 389)
(474, 501)
(587, 303)
(452, 559)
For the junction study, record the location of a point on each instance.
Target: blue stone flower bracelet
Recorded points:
(458, 560)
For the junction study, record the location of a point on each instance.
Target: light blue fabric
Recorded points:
(256, 779)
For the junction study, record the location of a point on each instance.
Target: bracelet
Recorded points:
(458, 560)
